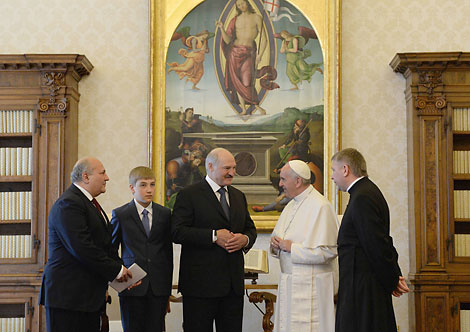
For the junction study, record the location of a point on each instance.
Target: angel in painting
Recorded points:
(193, 67)
(297, 68)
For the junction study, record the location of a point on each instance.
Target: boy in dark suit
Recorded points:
(142, 228)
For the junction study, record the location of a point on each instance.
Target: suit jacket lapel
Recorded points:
(135, 216)
(213, 200)
(99, 214)
(155, 215)
(232, 203)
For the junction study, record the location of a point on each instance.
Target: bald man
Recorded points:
(304, 240)
(81, 258)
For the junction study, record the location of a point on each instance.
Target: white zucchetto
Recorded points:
(300, 168)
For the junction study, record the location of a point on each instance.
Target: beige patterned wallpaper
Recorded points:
(113, 34)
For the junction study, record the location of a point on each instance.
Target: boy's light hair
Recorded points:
(139, 173)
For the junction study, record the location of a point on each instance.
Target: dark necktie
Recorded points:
(100, 210)
(223, 202)
(146, 222)
(96, 204)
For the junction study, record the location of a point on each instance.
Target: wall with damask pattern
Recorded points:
(113, 122)
(113, 105)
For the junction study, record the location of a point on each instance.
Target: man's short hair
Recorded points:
(213, 157)
(80, 167)
(140, 173)
(353, 159)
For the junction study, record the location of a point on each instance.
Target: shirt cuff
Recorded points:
(214, 236)
(120, 273)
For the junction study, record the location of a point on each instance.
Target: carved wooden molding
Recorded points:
(430, 100)
(409, 62)
(430, 79)
(78, 63)
(53, 105)
(430, 105)
(268, 299)
(53, 81)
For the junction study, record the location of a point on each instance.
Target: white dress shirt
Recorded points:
(141, 209)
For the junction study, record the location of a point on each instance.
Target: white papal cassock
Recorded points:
(309, 273)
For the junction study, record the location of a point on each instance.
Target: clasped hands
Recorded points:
(402, 287)
(280, 244)
(231, 241)
(126, 275)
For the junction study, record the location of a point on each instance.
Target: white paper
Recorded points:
(137, 274)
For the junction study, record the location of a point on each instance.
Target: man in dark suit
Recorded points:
(211, 221)
(81, 258)
(368, 262)
(142, 228)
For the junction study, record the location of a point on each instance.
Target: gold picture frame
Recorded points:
(166, 15)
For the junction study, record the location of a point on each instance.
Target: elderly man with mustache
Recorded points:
(212, 223)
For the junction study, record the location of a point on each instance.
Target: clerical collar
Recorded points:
(303, 194)
(352, 184)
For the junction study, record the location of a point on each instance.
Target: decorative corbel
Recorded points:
(54, 104)
(429, 101)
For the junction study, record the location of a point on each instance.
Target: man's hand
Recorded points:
(280, 244)
(223, 235)
(138, 283)
(285, 245)
(402, 287)
(257, 208)
(126, 274)
(236, 242)
(275, 242)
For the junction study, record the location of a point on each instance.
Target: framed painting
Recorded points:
(257, 77)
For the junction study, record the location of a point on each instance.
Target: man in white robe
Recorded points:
(305, 241)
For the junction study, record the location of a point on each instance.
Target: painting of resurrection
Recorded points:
(248, 76)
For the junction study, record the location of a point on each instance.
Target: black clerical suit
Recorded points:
(368, 263)
(210, 279)
(143, 308)
(81, 262)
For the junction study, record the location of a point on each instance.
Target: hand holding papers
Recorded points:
(137, 275)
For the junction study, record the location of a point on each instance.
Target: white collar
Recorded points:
(140, 208)
(214, 186)
(85, 192)
(303, 194)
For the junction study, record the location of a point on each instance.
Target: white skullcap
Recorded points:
(300, 168)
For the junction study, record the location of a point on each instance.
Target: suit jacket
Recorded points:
(207, 270)
(368, 263)
(81, 258)
(154, 254)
